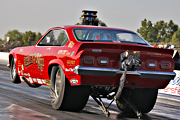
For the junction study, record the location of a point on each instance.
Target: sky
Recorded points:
(40, 15)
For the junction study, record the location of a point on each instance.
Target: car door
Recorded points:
(46, 50)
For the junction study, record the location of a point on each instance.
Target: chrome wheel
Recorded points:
(57, 83)
(13, 70)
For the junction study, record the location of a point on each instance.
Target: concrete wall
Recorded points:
(4, 56)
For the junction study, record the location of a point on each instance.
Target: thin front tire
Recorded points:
(13, 72)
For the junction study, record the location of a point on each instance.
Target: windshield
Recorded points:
(104, 35)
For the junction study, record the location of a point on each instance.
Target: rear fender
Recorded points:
(55, 62)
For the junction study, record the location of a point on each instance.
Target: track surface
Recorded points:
(19, 102)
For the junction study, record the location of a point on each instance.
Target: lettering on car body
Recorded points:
(34, 59)
(69, 69)
(151, 53)
(64, 52)
(71, 44)
(70, 63)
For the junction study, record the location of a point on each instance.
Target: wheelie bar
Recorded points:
(117, 97)
(121, 84)
(102, 106)
(118, 94)
(133, 106)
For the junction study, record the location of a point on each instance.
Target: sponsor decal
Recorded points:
(26, 74)
(31, 80)
(21, 50)
(72, 53)
(136, 52)
(68, 53)
(69, 69)
(43, 81)
(74, 81)
(151, 53)
(74, 70)
(21, 72)
(21, 79)
(176, 81)
(22, 67)
(96, 50)
(34, 59)
(64, 52)
(39, 81)
(34, 79)
(72, 75)
(71, 44)
(70, 62)
(27, 79)
(173, 88)
(19, 63)
(48, 48)
(48, 82)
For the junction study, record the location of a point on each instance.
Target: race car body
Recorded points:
(91, 60)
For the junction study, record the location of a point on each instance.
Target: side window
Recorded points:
(56, 37)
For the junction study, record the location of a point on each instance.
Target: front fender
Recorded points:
(12, 55)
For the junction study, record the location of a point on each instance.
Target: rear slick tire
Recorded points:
(63, 95)
(143, 98)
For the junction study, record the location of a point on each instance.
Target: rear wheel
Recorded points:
(13, 72)
(143, 98)
(63, 95)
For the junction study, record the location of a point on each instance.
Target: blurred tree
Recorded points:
(171, 27)
(161, 30)
(176, 37)
(1, 41)
(38, 36)
(29, 38)
(158, 32)
(13, 35)
(145, 29)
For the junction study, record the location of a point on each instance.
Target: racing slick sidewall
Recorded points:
(56, 101)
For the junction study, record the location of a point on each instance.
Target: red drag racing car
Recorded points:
(78, 61)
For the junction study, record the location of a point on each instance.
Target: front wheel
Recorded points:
(13, 72)
(143, 98)
(63, 95)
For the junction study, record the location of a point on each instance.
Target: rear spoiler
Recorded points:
(176, 59)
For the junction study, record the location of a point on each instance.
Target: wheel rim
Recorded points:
(13, 70)
(57, 83)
